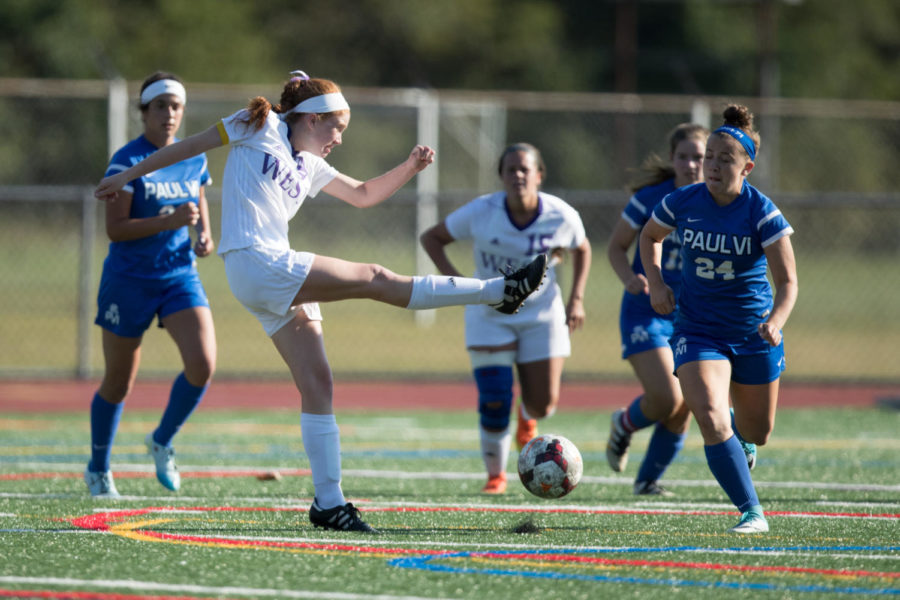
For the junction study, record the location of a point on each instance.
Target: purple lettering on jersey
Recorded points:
(538, 243)
(301, 166)
(495, 262)
(275, 165)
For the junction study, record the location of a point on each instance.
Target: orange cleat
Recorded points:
(526, 429)
(496, 484)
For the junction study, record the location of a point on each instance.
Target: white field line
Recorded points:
(458, 475)
(145, 586)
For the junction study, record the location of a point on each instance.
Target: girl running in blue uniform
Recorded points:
(151, 272)
(645, 333)
(277, 159)
(728, 325)
(509, 229)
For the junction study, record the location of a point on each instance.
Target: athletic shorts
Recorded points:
(753, 360)
(266, 283)
(643, 330)
(546, 336)
(126, 305)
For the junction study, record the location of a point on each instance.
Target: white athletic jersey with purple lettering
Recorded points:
(264, 183)
(498, 242)
(724, 290)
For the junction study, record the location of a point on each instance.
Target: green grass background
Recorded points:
(835, 446)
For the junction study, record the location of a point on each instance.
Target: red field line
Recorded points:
(52, 396)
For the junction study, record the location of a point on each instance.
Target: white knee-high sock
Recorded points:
(435, 291)
(322, 442)
(495, 450)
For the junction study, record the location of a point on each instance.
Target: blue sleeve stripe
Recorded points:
(769, 241)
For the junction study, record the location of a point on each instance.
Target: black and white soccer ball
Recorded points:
(550, 466)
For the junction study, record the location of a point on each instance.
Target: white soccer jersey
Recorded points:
(264, 183)
(498, 242)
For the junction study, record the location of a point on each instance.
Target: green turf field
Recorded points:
(828, 479)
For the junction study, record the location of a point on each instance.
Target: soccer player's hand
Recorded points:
(637, 285)
(184, 214)
(770, 333)
(662, 299)
(204, 245)
(575, 314)
(108, 186)
(421, 157)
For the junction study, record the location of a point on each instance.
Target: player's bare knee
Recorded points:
(759, 435)
(115, 392)
(544, 409)
(199, 372)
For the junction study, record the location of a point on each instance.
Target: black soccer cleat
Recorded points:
(520, 284)
(339, 518)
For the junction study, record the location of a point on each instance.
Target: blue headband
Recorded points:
(743, 139)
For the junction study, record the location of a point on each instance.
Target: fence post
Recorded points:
(117, 115)
(428, 107)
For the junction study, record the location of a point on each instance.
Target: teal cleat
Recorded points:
(751, 521)
(164, 456)
(101, 485)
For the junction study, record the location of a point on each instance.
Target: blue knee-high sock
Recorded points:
(663, 447)
(729, 466)
(182, 402)
(634, 417)
(104, 423)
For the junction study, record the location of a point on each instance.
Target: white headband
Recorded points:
(324, 103)
(163, 86)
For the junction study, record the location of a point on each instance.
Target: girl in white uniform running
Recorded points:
(509, 229)
(275, 162)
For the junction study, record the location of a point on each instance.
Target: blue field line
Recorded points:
(425, 563)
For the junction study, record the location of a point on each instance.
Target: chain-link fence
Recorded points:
(829, 166)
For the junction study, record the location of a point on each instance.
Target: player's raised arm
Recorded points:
(168, 155)
(363, 194)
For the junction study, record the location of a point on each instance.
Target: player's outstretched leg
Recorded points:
(340, 518)
(520, 284)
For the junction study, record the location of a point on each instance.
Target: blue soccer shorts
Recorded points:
(126, 305)
(643, 329)
(753, 360)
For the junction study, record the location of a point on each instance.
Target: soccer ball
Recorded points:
(550, 466)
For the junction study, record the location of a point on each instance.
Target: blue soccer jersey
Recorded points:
(167, 253)
(724, 292)
(636, 213)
